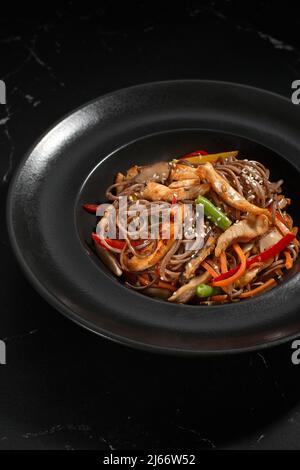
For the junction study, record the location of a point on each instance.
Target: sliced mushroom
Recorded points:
(192, 265)
(157, 172)
(109, 260)
(157, 292)
(186, 292)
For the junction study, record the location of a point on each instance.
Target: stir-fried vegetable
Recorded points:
(119, 244)
(251, 293)
(108, 259)
(259, 289)
(195, 153)
(264, 256)
(213, 213)
(248, 240)
(91, 208)
(237, 274)
(288, 260)
(200, 156)
(209, 269)
(205, 290)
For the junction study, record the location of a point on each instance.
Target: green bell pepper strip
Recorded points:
(213, 213)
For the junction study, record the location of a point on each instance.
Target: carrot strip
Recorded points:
(238, 273)
(209, 269)
(258, 290)
(288, 260)
(223, 261)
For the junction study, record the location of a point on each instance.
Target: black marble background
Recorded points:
(63, 387)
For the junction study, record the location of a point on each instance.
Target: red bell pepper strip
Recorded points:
(264, 256)
(194, 154)
(119, 244)
(91, 208)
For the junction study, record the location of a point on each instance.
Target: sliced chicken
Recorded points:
(182, 172)
(158, 192)
(227, 192)
(195, 262)
(184, 183)
(242, 231)
(187, 291)
(134, 263)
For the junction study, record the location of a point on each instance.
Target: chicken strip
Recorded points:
(185, 183)
(158, 192)
(187, 291)
(182, 172)
(194, 263)
(135, 263)
(242, 231)
(227, 192)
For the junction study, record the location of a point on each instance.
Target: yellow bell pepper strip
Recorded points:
(197, 158)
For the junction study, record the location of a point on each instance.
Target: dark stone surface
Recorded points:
(62, 387)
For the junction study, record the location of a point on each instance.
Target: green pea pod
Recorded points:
(213, 213)
(204, 290)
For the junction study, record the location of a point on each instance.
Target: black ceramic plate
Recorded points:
(77, 159)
